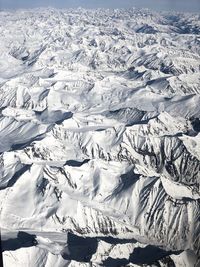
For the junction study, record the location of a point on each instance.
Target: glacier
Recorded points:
(99, 138)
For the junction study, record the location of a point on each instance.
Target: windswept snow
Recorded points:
(99, 138)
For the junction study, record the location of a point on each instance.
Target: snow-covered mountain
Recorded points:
(99, 138)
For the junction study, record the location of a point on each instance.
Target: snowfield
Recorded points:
(99, 138)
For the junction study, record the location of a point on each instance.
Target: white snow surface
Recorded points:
(99, 138)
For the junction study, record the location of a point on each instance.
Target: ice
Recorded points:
(99, 138)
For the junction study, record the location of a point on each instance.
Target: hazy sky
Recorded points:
(177, 5)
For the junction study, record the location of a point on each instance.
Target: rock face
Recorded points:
(99, 138)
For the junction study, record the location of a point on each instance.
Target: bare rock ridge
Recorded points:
(99, 138)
